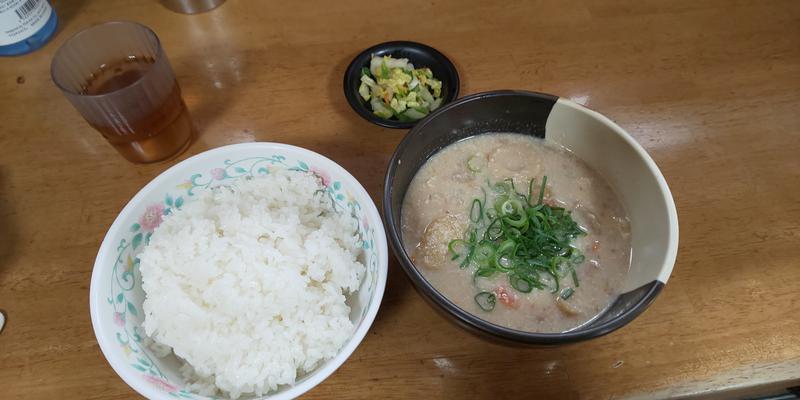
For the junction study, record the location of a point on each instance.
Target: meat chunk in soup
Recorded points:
(432, 248)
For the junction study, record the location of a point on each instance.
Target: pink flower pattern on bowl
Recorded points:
(152, 217)
(324, 176)
(119, 319)
(217, 173)
(160, 383)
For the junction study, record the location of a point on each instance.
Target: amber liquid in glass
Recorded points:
(160, 133)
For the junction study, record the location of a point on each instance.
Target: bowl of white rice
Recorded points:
(248, 271)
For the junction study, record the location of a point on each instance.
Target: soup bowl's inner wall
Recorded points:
(580, 130)
(634, 177)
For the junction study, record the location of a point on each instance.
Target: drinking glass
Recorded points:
(117, 75)
(191, 6)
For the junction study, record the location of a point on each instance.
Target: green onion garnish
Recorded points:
(567, 293)
(531, 243)
(484, 253)
(486, 300)
(520, 283)
(456, 248)
(476, 212)
(495, 229)
(530, 191)
(549, 281)
(575, 278)
(541, 189)
(483, 272)
(476, 162)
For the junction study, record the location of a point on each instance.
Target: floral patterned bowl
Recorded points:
(116, 294)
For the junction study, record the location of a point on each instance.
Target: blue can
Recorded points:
(25, 25)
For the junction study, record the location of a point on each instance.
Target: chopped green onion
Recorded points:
(483, 273)
(559, 268)
(452, 248)
(486, 300)
(473, 236)
(511, 184)
(501, 188)
(483, 254)
(530, 191)
(476, 163)
(501, 262)
(513, 232)
(541, 189)
(507, 208)
(518, 220)
(507, 247)
(575, 278)
(549, 281)
(476, 212)
(468, 259)
(495, 230)
(531, 243)
(520, 283)
(567, 293)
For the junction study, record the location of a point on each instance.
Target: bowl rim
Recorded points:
(505, 334)
(353, 70)
(323, 371)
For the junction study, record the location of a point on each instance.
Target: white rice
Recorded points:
(248, 284)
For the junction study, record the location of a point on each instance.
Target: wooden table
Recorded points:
(711, 89)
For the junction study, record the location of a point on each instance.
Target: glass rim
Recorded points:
(159, 53)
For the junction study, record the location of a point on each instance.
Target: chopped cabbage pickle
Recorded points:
(397, 90)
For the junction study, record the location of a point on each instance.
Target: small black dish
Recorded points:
(418, 54)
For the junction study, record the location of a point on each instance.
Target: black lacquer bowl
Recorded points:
(418, 54)
(592, 137)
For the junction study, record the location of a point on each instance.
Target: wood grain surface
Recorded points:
(710, 88)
